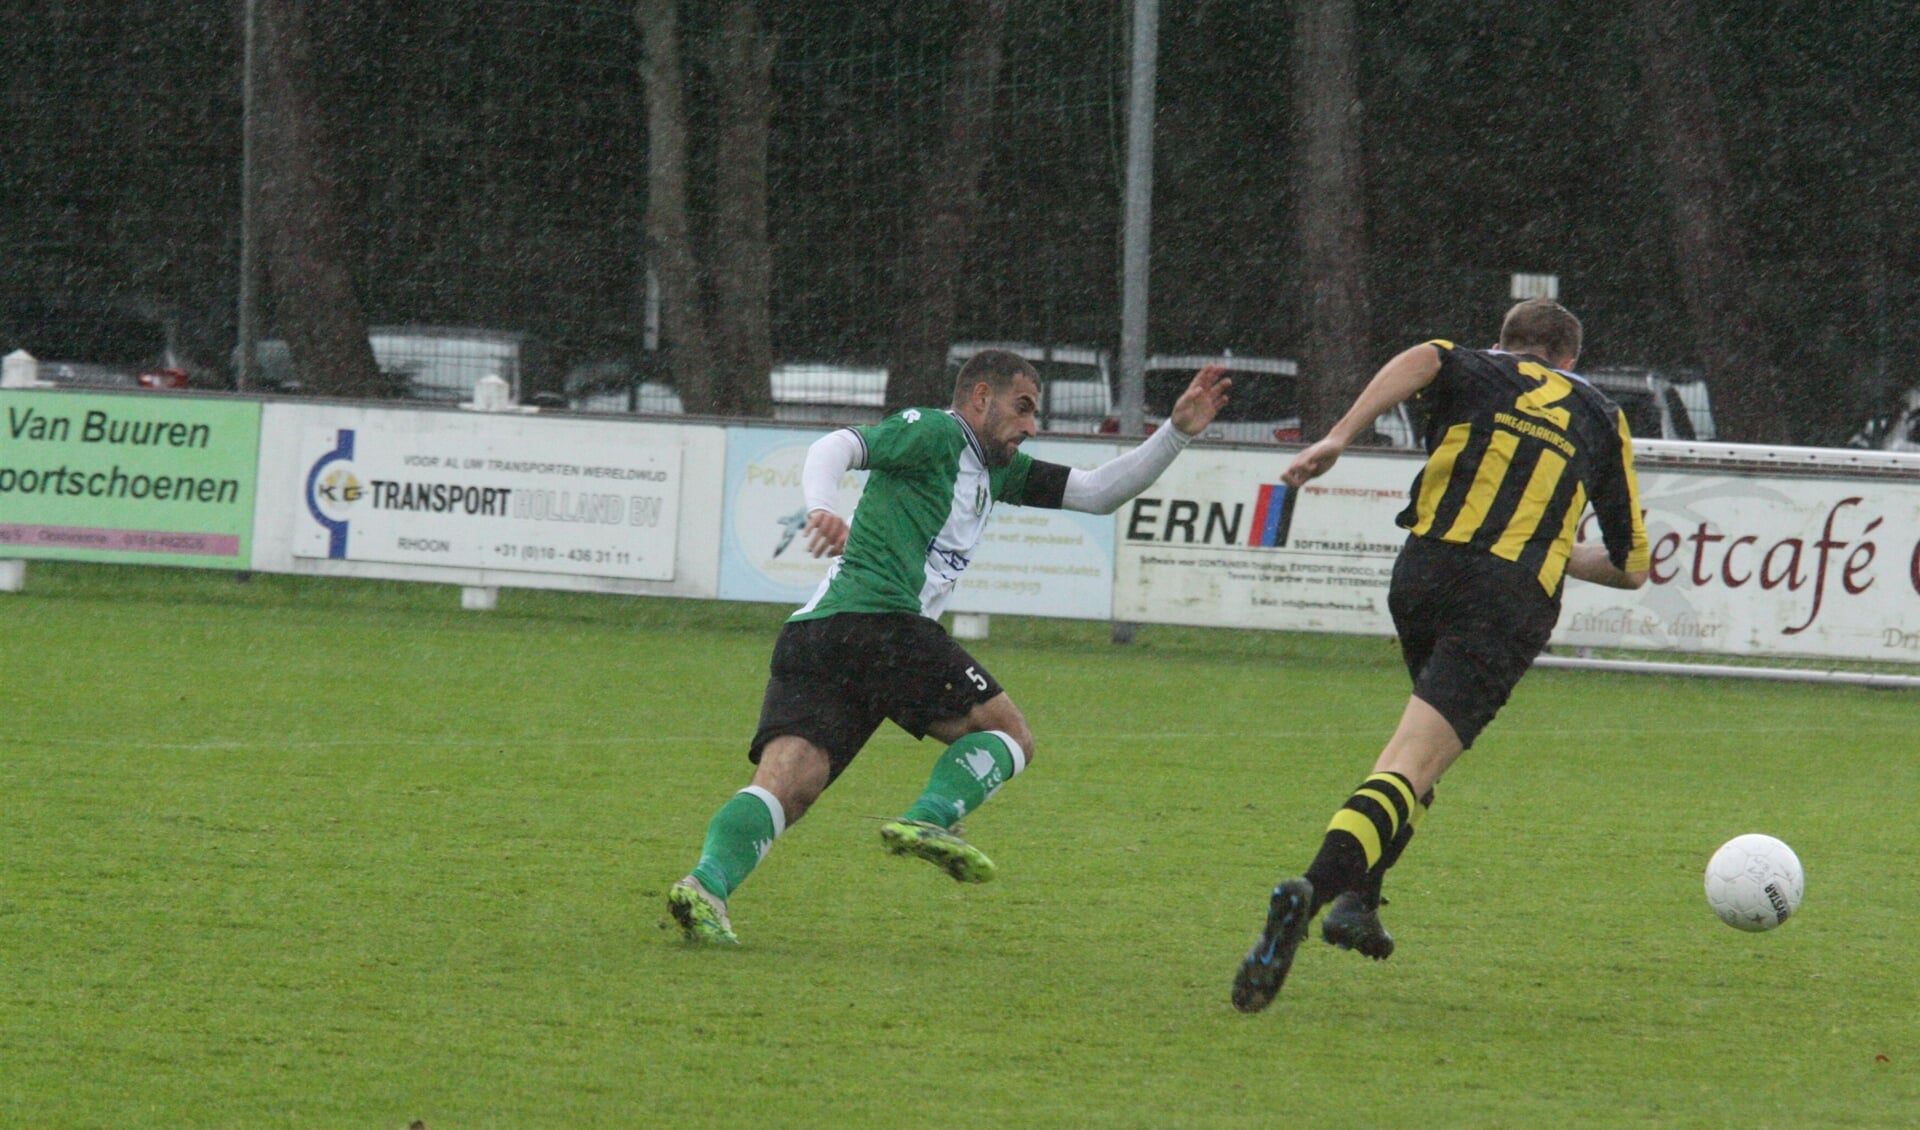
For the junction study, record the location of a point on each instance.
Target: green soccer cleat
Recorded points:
(938, 846)
(1353, 923)
(1265, 968)
(702, 915)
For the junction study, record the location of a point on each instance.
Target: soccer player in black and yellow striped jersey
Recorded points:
(1517, 448)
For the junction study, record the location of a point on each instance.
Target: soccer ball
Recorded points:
(1754, 882)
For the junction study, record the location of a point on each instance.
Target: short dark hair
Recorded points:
(1543, 327)
(997, 367)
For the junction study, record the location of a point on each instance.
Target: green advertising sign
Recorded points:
(135, 479)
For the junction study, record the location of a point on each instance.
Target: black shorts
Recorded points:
(1470, 625)
(834, 680)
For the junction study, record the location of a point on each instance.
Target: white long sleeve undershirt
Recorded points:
(1098, 491)
(829, 459)
(1103, 489)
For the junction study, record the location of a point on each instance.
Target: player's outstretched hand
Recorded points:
(1313, 462)
(826, 533)
(1202, 401)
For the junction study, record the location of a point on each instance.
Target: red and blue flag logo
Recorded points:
(1272, 515)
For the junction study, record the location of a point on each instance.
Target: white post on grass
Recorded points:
(491, 394)
(17, 370)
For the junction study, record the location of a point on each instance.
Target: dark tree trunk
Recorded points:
(1714, 277)
(742, 63)
(949, 210)
(304, 227)
(669, 233)
(1330, 188)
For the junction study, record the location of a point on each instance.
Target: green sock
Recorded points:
(969, 772)
(738, 838)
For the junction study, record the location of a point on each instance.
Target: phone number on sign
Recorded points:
(538, 553)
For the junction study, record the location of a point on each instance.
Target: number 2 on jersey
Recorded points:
(1539, 402)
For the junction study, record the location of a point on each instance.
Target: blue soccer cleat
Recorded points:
(1265, 968)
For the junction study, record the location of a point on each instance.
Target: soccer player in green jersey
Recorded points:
(869, 646)
(1519, 446)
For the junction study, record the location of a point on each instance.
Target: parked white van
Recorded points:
(1657, 407)
(804, 392)
(614, 386)
(1264, 404)
(437, 363)
(822, 392)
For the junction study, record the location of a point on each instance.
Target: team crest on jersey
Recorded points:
(980, 498)
(911, 415)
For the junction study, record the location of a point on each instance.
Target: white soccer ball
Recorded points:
(1754, 882)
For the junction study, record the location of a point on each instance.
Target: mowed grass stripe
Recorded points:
(305, 852)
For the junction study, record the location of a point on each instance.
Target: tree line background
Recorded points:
(1725, 188)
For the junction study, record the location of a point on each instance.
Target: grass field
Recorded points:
(337, 854)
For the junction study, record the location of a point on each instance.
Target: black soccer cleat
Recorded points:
(1265, 968)
(1353, 923)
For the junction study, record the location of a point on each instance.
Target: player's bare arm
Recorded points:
(1409, 372)
(1591, 563)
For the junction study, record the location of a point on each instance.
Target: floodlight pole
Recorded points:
(249, 300)
(1135, 238)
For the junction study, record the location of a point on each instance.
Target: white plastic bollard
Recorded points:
(970, 625)
(19, 370)
(491, 394)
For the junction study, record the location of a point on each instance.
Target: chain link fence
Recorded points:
(492, 158)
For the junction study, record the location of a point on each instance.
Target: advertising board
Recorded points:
(1765, 565)
(1220, 541)
(138, 478)
(1035, 562)
(1742, 564)
(763, 554)
(480, 498)
(528, 498)
(1030, 561)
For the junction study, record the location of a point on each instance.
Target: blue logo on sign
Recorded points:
(332, 489)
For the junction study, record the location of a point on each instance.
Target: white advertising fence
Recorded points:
(1034, 562)
(1748, 565)
(1795, 554)
(1220, 541)
(763, 551)
(1780, 564)
(489, 499)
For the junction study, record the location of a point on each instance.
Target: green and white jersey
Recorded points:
(925, 506)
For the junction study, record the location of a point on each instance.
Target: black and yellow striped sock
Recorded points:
(1365, 837)
(1399, 843)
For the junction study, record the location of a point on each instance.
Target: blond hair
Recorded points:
(1542, 327)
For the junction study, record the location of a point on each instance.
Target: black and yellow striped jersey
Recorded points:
(1515, 452)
